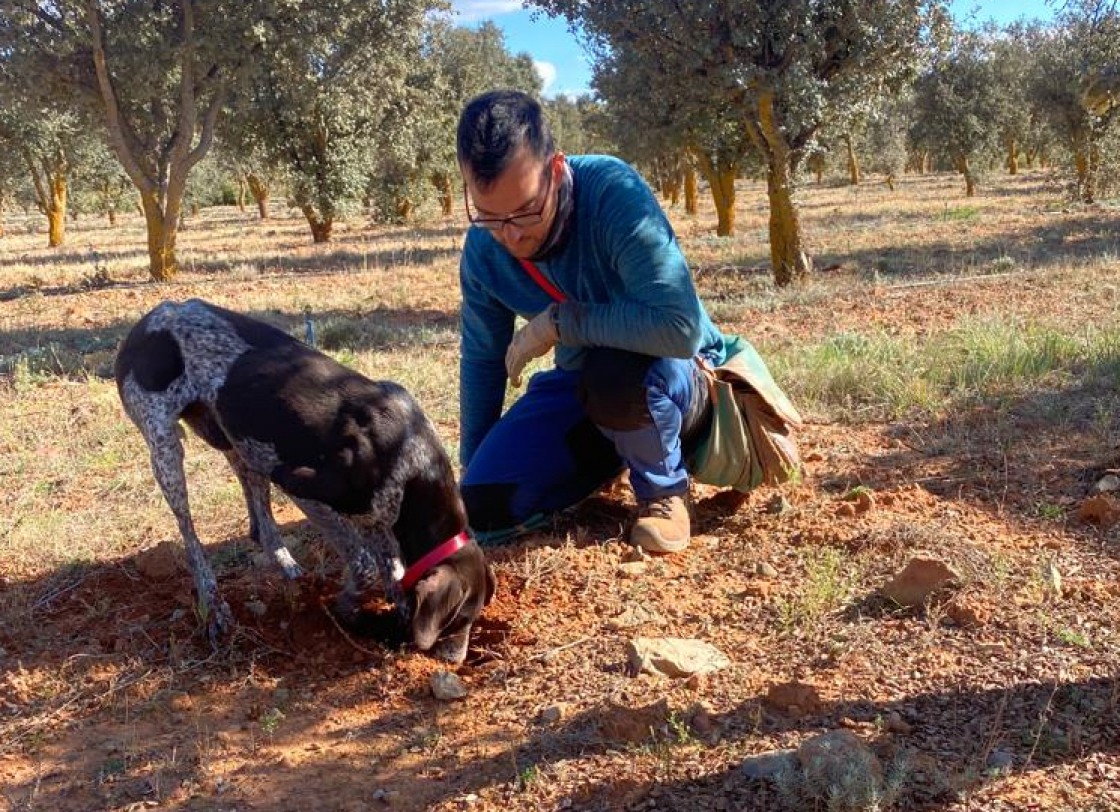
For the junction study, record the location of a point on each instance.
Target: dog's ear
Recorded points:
(439, 594)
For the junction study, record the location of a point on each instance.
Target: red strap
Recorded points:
(437, 555)
(538, 277)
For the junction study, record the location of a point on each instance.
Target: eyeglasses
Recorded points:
(524, 220)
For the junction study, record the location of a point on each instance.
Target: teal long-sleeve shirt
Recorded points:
(627, 285)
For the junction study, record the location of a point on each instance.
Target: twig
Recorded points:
(345, 635)
(1041, 724)
(544, 655)
(925, 283)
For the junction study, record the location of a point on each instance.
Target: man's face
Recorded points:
(526, 191)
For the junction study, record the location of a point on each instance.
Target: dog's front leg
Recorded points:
(262, 525)
(167, 465)
(361, 568)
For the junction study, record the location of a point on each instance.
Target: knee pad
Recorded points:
(612, 388)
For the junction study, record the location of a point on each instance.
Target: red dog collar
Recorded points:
(434, 557)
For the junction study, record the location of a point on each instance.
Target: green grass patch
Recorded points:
(880, 376)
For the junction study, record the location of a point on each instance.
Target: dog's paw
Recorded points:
(292, 570)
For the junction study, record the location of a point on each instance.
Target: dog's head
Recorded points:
(447, 600)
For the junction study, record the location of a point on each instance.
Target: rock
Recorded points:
(1098, 510)
(795, 698)
(619, 723)
(632, 569)
(674, 657)
(765, 570)
(864, 501)
(635, 553)
(843, 767)
(777, 504)
(701, 719)
(896, 724)
(1107, 484)
(161, 562)
(447, 686)
(1000, 761)
(918, 580)
(845, 510)
(634, 614)
(968, 612)
(553, 714)
(768, 765)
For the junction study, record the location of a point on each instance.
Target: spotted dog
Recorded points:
(359, 457)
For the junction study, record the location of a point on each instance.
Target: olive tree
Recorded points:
(786, 67)
(956, 106)
(321, 103)
(155, 73)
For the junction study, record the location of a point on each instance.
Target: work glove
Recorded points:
(532, 341)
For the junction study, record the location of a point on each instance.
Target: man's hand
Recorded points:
(532, 341)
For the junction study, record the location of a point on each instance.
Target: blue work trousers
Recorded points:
(573, 431)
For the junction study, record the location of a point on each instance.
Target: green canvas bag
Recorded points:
(751, 437)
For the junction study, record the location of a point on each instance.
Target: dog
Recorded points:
(359, 458)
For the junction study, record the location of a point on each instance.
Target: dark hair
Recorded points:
(494, 126)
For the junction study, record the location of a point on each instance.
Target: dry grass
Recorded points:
(956, 358)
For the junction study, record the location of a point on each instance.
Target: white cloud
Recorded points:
(471, 10)
(547, 72)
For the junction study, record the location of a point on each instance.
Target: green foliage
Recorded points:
(956, 102)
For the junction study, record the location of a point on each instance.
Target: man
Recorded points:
(581, 249)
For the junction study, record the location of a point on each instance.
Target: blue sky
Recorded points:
(565, 68)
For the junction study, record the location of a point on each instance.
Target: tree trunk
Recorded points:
(853, 161)
(965, 168)
(445, 192)
(673, 187)
(691, 192)
(56, 211)
(320, 226)
(787, 252)
(1012, 157)
(163, 228)
(258, 188)
(721, 180)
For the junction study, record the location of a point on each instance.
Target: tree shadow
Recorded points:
(77, 352)
(1031, 457)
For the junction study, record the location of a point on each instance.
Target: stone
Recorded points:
(674, 657)
(553, 714)
(1107, 484)
(1099, 510)
(796, 698)
(161, 562)
(770, 764)
(447, 686)
(839, 762)
(918, 580)
(619, 723)
(632, 569)
(765, 570)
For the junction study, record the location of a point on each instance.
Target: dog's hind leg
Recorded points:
(262, 525)
(166, 451)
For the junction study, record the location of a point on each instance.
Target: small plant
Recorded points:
(270, 721)
(1048, 510)
(527, 776)
(1004, 264)
(823, 588)
(1073, 637)
(960, 214)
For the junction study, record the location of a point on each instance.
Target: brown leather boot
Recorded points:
(663, 525)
